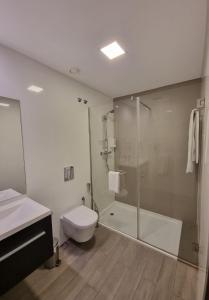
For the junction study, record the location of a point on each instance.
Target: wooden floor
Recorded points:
(111, 266)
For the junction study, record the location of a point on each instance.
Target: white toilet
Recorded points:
(79, 223)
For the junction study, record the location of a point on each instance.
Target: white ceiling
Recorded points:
(164, 39)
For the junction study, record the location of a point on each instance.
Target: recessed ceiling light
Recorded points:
(4, 104)
(35, 88)
(74, 70)
(112, 50)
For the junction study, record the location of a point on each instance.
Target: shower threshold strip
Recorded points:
(156, 230)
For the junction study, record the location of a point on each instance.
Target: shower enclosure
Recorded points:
(144, 137)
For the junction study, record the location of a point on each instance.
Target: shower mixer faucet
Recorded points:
(106, 152)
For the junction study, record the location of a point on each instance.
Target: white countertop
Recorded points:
(20, 213)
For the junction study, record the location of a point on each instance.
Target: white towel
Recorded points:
(193, 141)
(197, 133)
(112, 142)
(114, 181)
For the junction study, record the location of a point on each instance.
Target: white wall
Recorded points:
(55, 130)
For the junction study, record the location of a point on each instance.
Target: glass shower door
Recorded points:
(167, 218)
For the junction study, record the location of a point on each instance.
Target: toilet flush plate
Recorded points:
(69, 173)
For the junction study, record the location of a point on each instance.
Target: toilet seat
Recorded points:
(81, 217)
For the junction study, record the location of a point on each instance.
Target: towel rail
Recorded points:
(121, 172)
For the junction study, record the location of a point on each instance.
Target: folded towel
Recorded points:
(193, 141)
(114, 181)
(112, 142)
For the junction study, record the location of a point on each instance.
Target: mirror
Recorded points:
(12, 166)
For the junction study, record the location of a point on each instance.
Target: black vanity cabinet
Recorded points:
(24, 251)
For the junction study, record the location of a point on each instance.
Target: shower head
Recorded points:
(106, 115)
(110, 112)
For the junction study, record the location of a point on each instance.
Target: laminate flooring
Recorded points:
(110, 266)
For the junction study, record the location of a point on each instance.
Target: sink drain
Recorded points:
(112, 214)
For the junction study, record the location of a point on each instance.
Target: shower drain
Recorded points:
(112, 214)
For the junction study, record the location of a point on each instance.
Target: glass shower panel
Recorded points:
(113, 131)
(168, 196)
(126, 202)
(101, 128)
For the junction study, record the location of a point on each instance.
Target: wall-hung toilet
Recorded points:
(79, 223)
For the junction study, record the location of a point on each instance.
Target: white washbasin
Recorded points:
(18, 214)
(8, 210)
(8, 194)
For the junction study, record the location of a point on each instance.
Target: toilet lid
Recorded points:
(81, 216)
